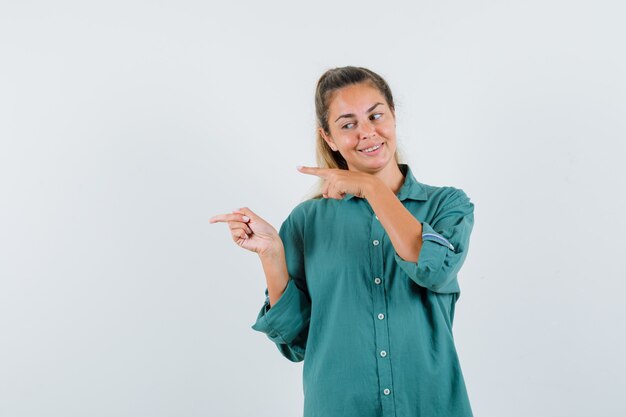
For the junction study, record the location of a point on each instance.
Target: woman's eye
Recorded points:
(348, 125)
(376, 116)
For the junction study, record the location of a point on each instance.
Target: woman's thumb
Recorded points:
(246, 211)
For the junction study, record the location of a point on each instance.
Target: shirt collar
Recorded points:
(411, 189)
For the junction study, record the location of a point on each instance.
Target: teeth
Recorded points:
(373, 148)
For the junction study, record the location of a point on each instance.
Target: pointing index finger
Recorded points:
(320, 172)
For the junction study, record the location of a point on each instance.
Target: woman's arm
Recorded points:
(286, 323)
(282, 257)
(431, 254)
(276, 275)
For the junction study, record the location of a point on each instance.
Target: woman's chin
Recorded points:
(371, 166)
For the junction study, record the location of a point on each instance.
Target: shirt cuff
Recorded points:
(429, 234)
(287, 317)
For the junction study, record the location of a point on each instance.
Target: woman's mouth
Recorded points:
(372, 150)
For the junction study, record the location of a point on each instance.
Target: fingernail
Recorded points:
(245, 218)
(299, 167)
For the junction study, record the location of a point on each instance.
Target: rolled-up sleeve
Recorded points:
(445, 244)
(286, 322)
(287, 319)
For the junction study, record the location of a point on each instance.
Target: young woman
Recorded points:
(362, 279)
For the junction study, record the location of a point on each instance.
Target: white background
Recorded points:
(126, 125)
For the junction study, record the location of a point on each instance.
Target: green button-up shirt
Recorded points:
(374, 330)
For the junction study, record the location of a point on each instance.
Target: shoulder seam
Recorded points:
(461, 197)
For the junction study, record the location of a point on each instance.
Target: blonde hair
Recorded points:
(331, 81)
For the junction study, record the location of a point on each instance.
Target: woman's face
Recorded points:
(362, 127)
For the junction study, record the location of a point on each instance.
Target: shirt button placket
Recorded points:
(380, 315)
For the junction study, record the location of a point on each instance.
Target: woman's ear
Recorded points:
(328, 139)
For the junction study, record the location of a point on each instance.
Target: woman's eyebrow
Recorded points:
(352, 115)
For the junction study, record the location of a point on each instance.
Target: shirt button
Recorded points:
(375, 243)
(377, 281)
(376, 216)
(386, 391)
(383, 353)
(381, 316)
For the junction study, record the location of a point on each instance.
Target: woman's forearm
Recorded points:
(276, 274)
(404, 230)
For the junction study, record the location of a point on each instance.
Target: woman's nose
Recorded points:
(367, 130)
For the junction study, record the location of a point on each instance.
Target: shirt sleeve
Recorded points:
(286, 323)
(444, 246)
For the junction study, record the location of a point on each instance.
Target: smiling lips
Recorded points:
(371, 149)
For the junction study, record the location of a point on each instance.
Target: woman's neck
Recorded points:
(391, 176)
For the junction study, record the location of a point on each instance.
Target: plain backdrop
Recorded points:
(126, 125)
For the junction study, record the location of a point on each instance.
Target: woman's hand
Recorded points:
(251, 232)
(339, 182)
